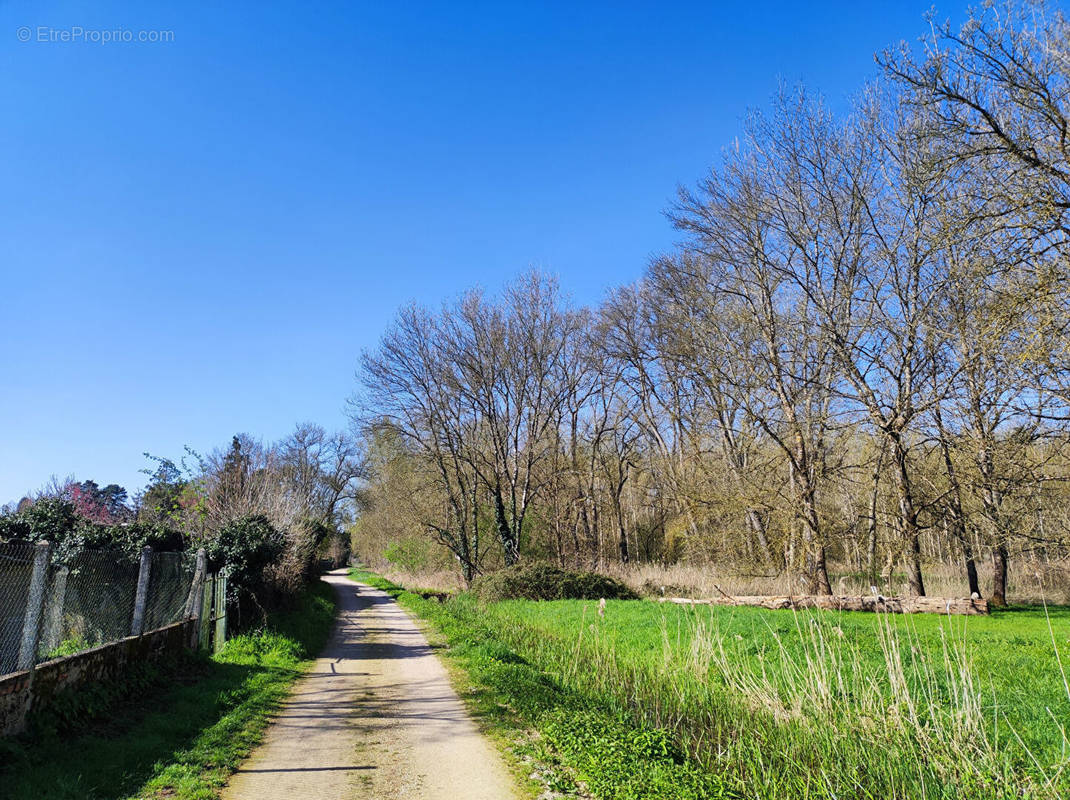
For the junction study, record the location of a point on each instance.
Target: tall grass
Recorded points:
(1032, 582)
(818, 704)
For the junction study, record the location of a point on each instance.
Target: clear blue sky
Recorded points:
(198, 237)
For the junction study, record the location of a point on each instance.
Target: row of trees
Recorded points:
(263, 512)
(858, 352)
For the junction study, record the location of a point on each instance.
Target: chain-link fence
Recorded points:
(16, 570)
(55, 604)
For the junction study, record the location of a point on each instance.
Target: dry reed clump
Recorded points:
(1032, 582)
(439, 580)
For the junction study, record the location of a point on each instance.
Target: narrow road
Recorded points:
(376, 718)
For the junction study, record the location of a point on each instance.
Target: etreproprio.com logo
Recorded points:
(47, 34)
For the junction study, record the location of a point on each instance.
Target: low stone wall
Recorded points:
(23, 692)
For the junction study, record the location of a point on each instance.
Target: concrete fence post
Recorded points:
(204, 631)
(195, 601)
(220, 613)
(35, 600)
(53, 632)
(137, 626)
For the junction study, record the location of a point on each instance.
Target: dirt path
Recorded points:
(376, 718)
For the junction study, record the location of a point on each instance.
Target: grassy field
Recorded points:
(183, 731)
(776, 704)
(824, 704)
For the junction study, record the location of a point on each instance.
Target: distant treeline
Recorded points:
(264, 513)
(859, 352)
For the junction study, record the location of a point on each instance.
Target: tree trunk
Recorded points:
(821, 575)
(908, 515)
(956, 529)
(506, 535)
(999, 575)
(757, 526)
(871, 533)
(971, 569)
(957, 521)
(914, 577)
(817, 572)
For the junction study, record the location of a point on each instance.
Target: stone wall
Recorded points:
(21, 693)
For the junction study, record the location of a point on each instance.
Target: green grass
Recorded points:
(579, 738)
(775, 704)
(185, 731)
(824, 704)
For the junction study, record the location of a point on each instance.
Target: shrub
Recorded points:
(547, 582)
(56, 520)
(48, 519)
(242, 550)
(297, 563)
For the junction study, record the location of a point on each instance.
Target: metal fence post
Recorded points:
(142, 596)
(195, 601)
(35, 599)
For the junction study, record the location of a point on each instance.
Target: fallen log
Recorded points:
(874, 603)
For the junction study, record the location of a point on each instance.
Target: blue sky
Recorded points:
(198, 237)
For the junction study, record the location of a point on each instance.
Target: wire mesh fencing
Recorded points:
(170, 589)
(16, 570)
(55, 604)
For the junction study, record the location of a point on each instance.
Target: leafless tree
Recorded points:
(790, 378)
(323, 471)
(998, 91)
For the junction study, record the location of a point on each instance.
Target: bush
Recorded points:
(243, 550)
(547, 582)
(297, 564)
(49, 519)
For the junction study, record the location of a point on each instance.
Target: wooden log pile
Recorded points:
(876, 603)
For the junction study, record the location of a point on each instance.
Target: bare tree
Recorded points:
(323, 471)
(998, 92)
(408, 393)
(788, 386)
(479, 390)
(701, 331)
(508, 370)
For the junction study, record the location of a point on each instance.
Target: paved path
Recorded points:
(376, 718)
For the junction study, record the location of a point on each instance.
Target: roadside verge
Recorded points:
(178, 733)
(565, 743)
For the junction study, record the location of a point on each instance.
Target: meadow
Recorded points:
(778, 704)
(821, 704)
